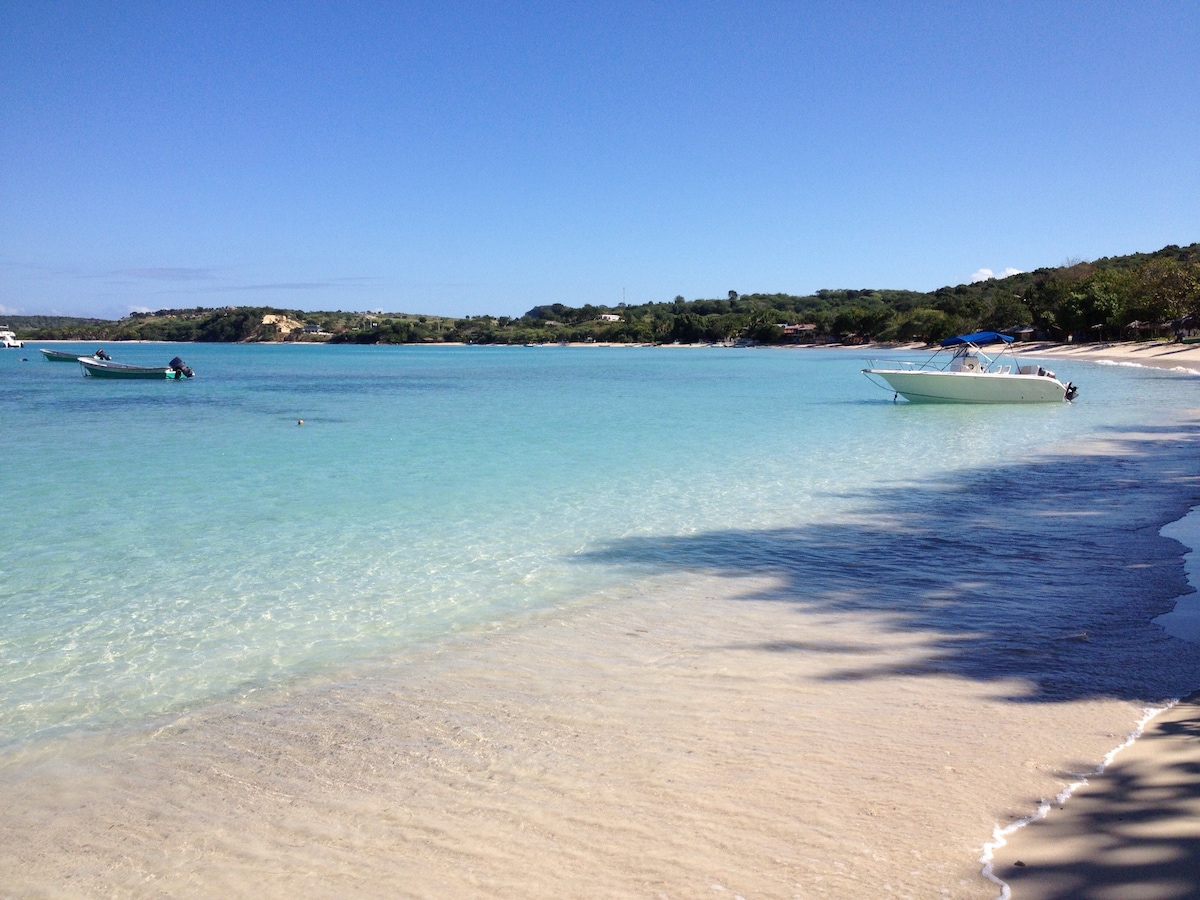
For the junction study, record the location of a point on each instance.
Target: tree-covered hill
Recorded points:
(26, 326)
(1141, 295)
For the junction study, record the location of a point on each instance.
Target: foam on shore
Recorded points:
(1184, 620)
(1182, 370)
(1000, 834)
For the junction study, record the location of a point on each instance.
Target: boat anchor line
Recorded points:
(1000, 835)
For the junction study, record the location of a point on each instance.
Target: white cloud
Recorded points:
(7, 310)
(987, 274)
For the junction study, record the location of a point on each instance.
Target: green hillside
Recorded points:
(1138, 296)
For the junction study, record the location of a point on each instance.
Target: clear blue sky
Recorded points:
(462, 158)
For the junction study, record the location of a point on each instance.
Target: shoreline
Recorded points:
(1155, 354)
(649, 746)
(1131, 830)
(1159, 355)
(1092, 840)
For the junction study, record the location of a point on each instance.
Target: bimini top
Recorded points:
(978, 338)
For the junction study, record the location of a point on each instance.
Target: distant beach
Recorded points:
(1158, 354)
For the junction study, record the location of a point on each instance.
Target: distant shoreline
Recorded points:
(1157, 354)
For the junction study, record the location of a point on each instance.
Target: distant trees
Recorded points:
(1110, 297)
(1138, 294)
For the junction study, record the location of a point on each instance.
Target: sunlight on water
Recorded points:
(168, 543)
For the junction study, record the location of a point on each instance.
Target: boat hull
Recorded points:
(972, 387)
(99, 369)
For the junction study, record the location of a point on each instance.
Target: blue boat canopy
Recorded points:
(978, 338)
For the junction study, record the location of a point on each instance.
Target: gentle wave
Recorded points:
(1000, 835)
(1183, 370)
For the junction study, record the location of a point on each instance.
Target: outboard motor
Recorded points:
(180, 368)
(1072, 391)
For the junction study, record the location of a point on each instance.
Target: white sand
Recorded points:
(1159, 354)
(680, 744)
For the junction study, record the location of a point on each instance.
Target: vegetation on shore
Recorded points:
(1141, 295)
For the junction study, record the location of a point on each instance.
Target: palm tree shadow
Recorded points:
(1133, 827)
(1047, 571)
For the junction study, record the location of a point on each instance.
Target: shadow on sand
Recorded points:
(1131, 833)
(1048, 571)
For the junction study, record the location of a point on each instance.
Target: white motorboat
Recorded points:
(9, 339)
(971, 376)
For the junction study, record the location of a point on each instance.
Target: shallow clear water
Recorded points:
(164, 544)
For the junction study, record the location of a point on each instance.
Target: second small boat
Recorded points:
(66, 356)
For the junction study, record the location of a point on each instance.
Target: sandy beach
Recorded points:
(693, 743)
(1159, 354)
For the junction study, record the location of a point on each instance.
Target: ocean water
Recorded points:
(165, 545)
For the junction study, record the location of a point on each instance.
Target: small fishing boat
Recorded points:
(9, 339)
(971, 376)
(67, 356)
(101, 368)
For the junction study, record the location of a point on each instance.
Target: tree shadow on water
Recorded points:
(1048, 570)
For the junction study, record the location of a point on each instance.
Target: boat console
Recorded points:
(966, 362)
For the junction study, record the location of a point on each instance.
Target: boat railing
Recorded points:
(903, 365)
(910, 366)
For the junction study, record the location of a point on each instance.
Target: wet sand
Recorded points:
(1133, 831)
(682, 744)
(722, 731)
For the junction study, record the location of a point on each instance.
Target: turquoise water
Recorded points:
(168, 544)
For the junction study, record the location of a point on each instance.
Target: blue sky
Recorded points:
(462, 158)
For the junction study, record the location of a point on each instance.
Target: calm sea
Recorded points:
(168, 544)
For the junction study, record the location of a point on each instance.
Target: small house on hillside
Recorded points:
(799, 334)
